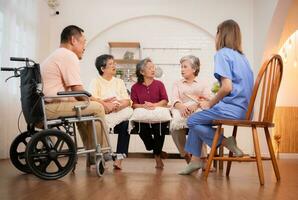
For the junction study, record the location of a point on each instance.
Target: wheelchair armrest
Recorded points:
(74, 93)
(79, 107)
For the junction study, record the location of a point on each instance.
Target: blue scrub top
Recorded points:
(233, 65)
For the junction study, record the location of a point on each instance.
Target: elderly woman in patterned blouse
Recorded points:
(185, 94)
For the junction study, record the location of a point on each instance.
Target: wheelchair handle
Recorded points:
(75, 93)
(19, 59)
(7, 69)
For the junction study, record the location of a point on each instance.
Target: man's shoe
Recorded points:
(90, 160)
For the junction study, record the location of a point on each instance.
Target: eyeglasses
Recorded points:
(150, 67)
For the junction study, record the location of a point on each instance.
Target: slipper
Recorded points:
(90, 160)
(230, 143)
(191, 167)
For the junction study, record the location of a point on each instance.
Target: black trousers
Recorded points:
(153, 135)
(123, 137)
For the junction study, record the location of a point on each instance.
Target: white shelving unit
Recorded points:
(126, 65)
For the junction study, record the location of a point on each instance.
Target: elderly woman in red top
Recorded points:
(149, 93)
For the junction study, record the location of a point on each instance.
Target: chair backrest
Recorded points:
(267, 85)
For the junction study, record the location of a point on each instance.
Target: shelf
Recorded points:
(124, 45)
(123, 61)
(126, 66)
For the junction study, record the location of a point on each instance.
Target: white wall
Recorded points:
(286, 96)
(103, 18)
(269, 19)
(24, 34)
(97, 16)
(262, 13)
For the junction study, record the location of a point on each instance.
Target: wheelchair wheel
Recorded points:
(51, 154)
(17, 151)
(100, 166)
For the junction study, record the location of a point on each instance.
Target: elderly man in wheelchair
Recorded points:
(61, 103)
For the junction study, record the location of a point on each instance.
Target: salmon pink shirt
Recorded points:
(60, 71)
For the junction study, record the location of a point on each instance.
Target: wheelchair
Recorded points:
(51, 150)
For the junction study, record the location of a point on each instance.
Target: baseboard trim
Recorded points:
(177, 156)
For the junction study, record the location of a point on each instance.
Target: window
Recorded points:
(1, 35)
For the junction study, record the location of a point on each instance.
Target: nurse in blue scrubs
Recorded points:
(235, 76)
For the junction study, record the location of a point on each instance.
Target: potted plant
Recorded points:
(215, 87)
(119, 73)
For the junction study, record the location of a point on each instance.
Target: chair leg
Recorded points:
(220, 153)
(231, 153)
(213, 150)
(258, 155)
(215, 161)
(272, 155)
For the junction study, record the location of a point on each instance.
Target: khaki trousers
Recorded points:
(179, 137)
(66, 109)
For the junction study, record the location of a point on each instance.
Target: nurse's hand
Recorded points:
(192, 108)
(184, 111)
(202, 98)
(204, 105)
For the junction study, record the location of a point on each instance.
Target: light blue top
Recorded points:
(234, 66)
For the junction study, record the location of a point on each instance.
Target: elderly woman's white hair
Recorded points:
(194, 61)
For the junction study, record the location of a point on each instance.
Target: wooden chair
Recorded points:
(267, 85)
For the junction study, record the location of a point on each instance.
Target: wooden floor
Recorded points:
(140, 180)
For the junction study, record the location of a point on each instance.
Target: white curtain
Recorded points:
(18, 38)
